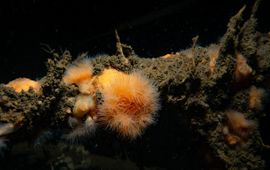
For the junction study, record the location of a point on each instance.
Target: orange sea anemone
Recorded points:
(243, 70)
(170, 55)
(81, 74)
(213, 53)
(87, 87)
(239, 125)
(108, 76)
(130, 102)
(78, 72)
(24, 84)
(255, 98)
(230, 139)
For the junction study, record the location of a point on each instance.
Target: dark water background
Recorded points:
(153, 28)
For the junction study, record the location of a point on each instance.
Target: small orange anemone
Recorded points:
(24, 84)
(239, 125)
(213, 53)
(255, 98)
(81, 74)
(170, 55)
(243, 70)
(78, 72)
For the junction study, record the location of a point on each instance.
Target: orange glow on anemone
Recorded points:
(130, 102)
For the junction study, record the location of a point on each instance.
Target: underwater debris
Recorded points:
(80, 129)
(6, 128)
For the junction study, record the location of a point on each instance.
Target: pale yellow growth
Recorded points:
(84, 105)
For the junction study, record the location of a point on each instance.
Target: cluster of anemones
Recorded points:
(129, 101)
(238, 128)
(128, 104)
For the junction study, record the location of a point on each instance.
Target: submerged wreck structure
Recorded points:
(203, 104)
